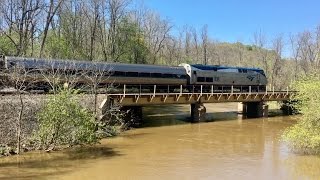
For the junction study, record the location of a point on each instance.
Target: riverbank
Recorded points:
(227, 147)
(10, 107)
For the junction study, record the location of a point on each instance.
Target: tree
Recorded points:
(277, 61)
(156, 32)
(19, 78)
(52, 10)
(116, 10)
(295, 52)
(195, 43)
(260, 42)
(205, 41)
(20, 22)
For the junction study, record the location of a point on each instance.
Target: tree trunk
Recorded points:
(19, 121)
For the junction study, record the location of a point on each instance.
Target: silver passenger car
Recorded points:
(116, 73)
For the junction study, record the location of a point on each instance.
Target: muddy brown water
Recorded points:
(168, 147)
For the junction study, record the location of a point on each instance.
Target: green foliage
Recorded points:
(57, 47)
(305, 135)
(64, 122)
(7, 47)
(131, 43)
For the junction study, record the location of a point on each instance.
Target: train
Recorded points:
(192, 77)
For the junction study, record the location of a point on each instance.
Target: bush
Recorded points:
(304, 137)
(63, 122)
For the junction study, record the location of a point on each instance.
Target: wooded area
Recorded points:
(126, 31)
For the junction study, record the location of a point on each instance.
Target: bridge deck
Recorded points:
(140, 99)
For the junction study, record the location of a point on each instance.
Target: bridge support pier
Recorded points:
(287, 108)
(133, 116)
(253, 109)
(198, 112)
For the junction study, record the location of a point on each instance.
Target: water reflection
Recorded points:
(41, 164)
(155, 116)
(306, 167)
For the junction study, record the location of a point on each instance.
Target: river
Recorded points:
(168, 147)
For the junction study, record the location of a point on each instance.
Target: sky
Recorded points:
(237, 20)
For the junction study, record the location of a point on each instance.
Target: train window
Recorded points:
(180, 76)
(244, 71)
(156, 75)
(167, 75)
(34, 71)
(71, 72)
(195, 72)
(209, 79)
(201, 79)
(90, 73)
(132, 74)
(144, 74)
(240, 70)
(108, 73)
(119, 74)
(183, 77)
(78, 72)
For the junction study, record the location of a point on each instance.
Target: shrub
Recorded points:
(304, 137)
(63, 122)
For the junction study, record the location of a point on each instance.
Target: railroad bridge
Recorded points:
(251, 104)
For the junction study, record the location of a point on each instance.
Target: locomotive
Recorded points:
(192, 77)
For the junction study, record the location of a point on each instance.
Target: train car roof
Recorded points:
(96, 65)
(217, 67)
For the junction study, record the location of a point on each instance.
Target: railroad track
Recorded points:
(4, 93)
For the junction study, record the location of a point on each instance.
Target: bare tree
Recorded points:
(20, 17)
(260, 44)
(205, 41)
(97, 76)
(187, 43)
(240, 50)
(195, 43)
(309, 50)
(278, 44)
(116, 10)
(93, 26)
(156, 32)
(21, 79)
(52, 9)
(295, 51)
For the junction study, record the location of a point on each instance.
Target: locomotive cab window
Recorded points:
(201, 79)
(183, 76)
(209, 79)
